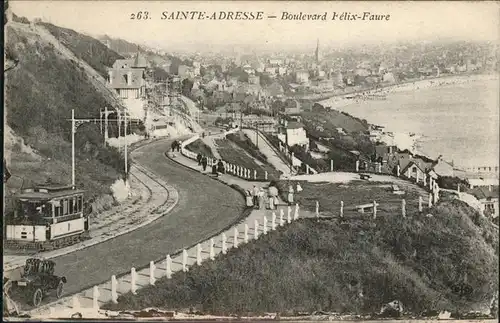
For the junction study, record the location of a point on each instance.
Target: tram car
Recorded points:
(46, 218)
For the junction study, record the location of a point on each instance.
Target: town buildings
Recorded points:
(293, 133)
(127, 78)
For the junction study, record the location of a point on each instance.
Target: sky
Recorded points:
(408, 21)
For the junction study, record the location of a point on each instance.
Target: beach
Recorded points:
(456, 117)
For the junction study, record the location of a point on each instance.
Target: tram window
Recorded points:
(57, 211)
(71, 211)
(65, 207)
(80, 198)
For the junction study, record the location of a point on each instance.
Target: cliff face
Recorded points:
(40, 93)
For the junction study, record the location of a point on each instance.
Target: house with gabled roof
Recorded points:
(488, 197)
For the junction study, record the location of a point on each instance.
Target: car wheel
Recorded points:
(60, 289)
(37, 297)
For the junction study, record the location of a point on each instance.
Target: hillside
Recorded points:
(89, 49)
(45, 86)
(352, 266)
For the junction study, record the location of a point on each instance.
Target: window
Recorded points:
(65, 206)
(79, 203)
(71, 204)
(58, 209)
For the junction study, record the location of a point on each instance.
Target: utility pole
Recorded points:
(73, 130)
(105, 125)
(126, 157)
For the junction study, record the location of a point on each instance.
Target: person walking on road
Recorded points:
(174, 144)
(273, 197)
(198, 158)
(204, 162)
(179, 143)
(290, 194)
(249, 199)
(255, 194)
(220, 166)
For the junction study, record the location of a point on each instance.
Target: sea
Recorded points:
(458, 121)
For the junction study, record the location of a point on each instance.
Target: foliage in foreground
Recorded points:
(428, 263)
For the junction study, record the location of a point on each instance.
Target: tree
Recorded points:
(187, 86)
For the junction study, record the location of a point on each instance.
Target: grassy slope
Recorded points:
(92, 51)
(343, 266)
(198, 146)
(231, 153)
(46, 87)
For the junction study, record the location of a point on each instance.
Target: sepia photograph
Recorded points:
(251, 160)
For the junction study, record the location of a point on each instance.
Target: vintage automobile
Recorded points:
(37, 281)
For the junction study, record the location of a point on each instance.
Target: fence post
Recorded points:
(341, 209)
(169, 267)
(398, 170)
(317, 209)
(198, 254)
(380, 168)
(212, 249)
(184, 260)
(256, 229)
(114, 285)
(133, 278)
(282, 214)
(265, 224)
(357, 165)
(289, 215)
(420, 202)
(307, 169)
(296, 213)
(265, 175)
(235, 237)
(152, 268)
(331, 165)
(273, 221)
(374, 209)
(403, 208)
(95, 298)
(224, 243)
(254, 174)
(430, 199)
(245, 234)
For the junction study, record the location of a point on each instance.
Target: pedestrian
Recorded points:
(174, 143)
(214, 170)
(261, 195)
(290, 194)
(249, 199)
(179, 143)
(273, 197)
(204, 162)
(220, 166)
(255, 194)
(198, 158)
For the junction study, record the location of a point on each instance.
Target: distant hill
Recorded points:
(127, 48)
(121, 46)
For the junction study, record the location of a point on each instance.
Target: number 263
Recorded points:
(141, 15)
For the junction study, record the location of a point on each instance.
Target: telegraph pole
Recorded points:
(126, 166)
(105, 125)
(73, 130)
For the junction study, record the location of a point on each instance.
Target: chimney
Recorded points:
(110, 74)
(129, 78)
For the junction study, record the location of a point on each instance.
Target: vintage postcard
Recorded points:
(251, 160)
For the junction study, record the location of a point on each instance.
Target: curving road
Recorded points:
(205, 207)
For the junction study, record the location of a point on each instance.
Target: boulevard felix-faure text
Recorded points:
(260, 15)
